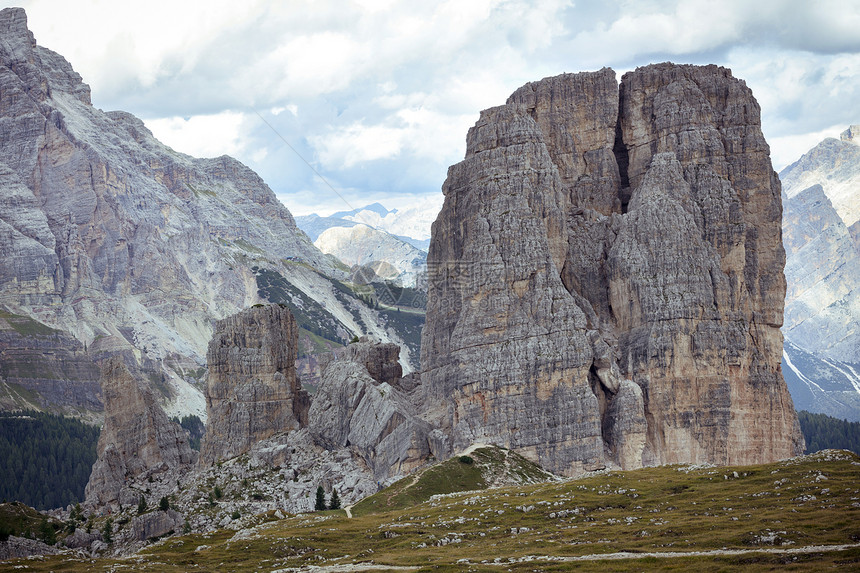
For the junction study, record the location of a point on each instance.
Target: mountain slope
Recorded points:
(821, 193)
(362, 245)
(127, 245)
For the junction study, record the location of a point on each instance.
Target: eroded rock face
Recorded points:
(137, 439)
(606, 276)
(252, 392)
(360, 405)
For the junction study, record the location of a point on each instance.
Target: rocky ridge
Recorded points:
(252, 391)
(822, 306)
(126, 245)
(360, 245)
(615, 250)
(268, 445)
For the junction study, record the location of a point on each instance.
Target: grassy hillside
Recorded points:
(754, 518)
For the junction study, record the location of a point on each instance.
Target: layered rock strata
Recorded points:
(137, 439)
(252, 392)
(42, 368)
(606, 277)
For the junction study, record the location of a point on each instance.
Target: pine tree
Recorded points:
(107, 531)
(141, 506)
(335, 500)
(164, 504)
(319, 505)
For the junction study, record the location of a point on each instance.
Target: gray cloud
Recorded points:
(384, 91)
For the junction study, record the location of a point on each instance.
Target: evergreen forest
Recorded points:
(45, 459)
(823, 432)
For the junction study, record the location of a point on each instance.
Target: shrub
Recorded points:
(107, 531)
(466, 460)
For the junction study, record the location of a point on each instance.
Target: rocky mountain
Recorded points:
(252, 391)
(606, 276)
(821, 234)
(390, 258)
(130, 247)
(411, 225)
(268, 445)
(137, 439)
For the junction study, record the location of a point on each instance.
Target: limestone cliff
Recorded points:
(137, 439)
(45, 369)
(605, 277)
(252, 391)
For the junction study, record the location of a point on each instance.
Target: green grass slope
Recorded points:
(800, 514)
(480, 469)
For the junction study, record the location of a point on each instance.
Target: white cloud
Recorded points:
(388, 88)
(203, 135)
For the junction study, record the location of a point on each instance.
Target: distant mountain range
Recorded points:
(394, 243)
(821, 235)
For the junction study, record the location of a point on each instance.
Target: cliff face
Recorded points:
(252, 391)
(606, 276)
(42, 368)
(137, 439)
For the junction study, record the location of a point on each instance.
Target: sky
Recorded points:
(337, 104)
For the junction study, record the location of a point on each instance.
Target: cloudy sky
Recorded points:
(377, 95)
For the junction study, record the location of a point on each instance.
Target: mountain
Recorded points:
(606, 277)
(821, 384)
(375, 208)
(361, 238)
(131, 248)
(362, 245)
(411, 225)
(822, 307)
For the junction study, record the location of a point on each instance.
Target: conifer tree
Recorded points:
(319, 505)
(335, 500)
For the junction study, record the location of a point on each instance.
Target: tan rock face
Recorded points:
(137, 438)
(252, 392)
(606, 278)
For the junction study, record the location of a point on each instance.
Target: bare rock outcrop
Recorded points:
(606, 278)
(252, 392)
(360, 405)
(137, 440)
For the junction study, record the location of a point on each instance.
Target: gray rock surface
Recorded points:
(252, 392)
(156, 524)
(137, 439)
(596, 237)
(42, 368)
(360, 405)
(822, 304)
(396, 260)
